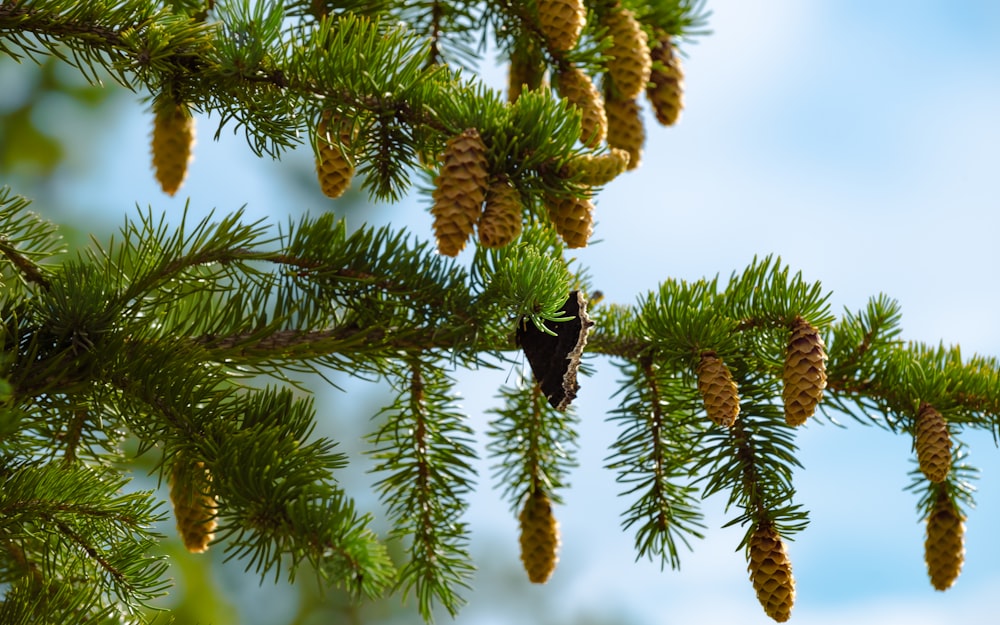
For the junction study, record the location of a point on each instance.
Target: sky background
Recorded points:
(856, 140)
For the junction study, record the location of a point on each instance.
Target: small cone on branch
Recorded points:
(579, 90)
(561, 22)
(333, 167)
(718, 391)
(526, 71)
(539, 537)
(500, 222)
(173, 138)
(625, 128)
(630, 63)
(804, 373)
(459, 192)
(944, 547)
(194, 505)
(666, 90)
(771, 573)
(597, 170)
(573, 219)
(933, 443)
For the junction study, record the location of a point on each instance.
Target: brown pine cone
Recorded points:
(194, 504)
(334, 168)
(573, 219)
(625, 128)
(561, 22)
(630, 63)
(539, 537)
(666, 89)
(771, 573)
(718, 391)
(579, 90)
(933, 443)
(501, 220)
(597, 170)
(944, 547)
(804, 373)
(460, 191)
(173, 139)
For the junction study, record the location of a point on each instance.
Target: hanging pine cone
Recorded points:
(666, 89)
(933, 443)
(460, 191)
(573, 219)
(718, 391)
(805, 372)
(501, 220)
(194, 505)
(561, 22)
(173, 138)
(333, 167)
(526, 71)
(771, 573)
(600, 169)
(630, 63)
(579, 90)
(944, 548)
(625, 129)
(539, 537)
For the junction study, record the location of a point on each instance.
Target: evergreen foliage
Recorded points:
(162, 333)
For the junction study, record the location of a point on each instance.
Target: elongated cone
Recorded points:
(173, 139)
(573, 219)
(718, 391)
(944, 547)
(771, 573)
(460, 191)
(194, 505)
(600, 169)
(501, 220)
(333, 167)
(561, 22)
(526, 71)
(805, 372)
(666, 89)
(933, 443)
(630, 62)
(625, 128)
(539, 537)
(579, 90)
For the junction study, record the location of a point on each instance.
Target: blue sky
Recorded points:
(858, 141)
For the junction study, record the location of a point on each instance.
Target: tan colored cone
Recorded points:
(573, 219)
(460, 191)
(718, 391)
(539, 537)
(173, 140)
(501, 220)
(600, 169)
(625, 128)
(561, 22)
(666, 89)
(933, 443)
(630, 62)
(194, 505)
(804, 373)
(525, 72)
(333, 167)
(579, 90)
(944, 547)
(771, 573)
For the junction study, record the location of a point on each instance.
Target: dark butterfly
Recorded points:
(555, 359)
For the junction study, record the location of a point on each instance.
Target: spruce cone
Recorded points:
(630, 62)
(596, 170)
(501, 220)
(539, 537)
(526, 71)
(173, 138)
(718, 391)
(805, 372)
(579, 90)
(333, 168)
(625, 129)
(944, 548)
(460, 191)
(933, 443)
(666, 90)
(573, 219)
(561, 22)
(771, 573)
(194, 505)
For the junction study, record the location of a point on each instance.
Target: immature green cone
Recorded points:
(718, 391)
(173, 138)
(944, 548)
(460, 191)
(579, 90)
(805, 372)
(933, 443)
(539, 537)
(333, 168)
(666, 89)
(573, 219)
(625, 129)
(630, 63)
(501, 220)
(597, 170)
(561, 22)
(771, 573)
(194, 505)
